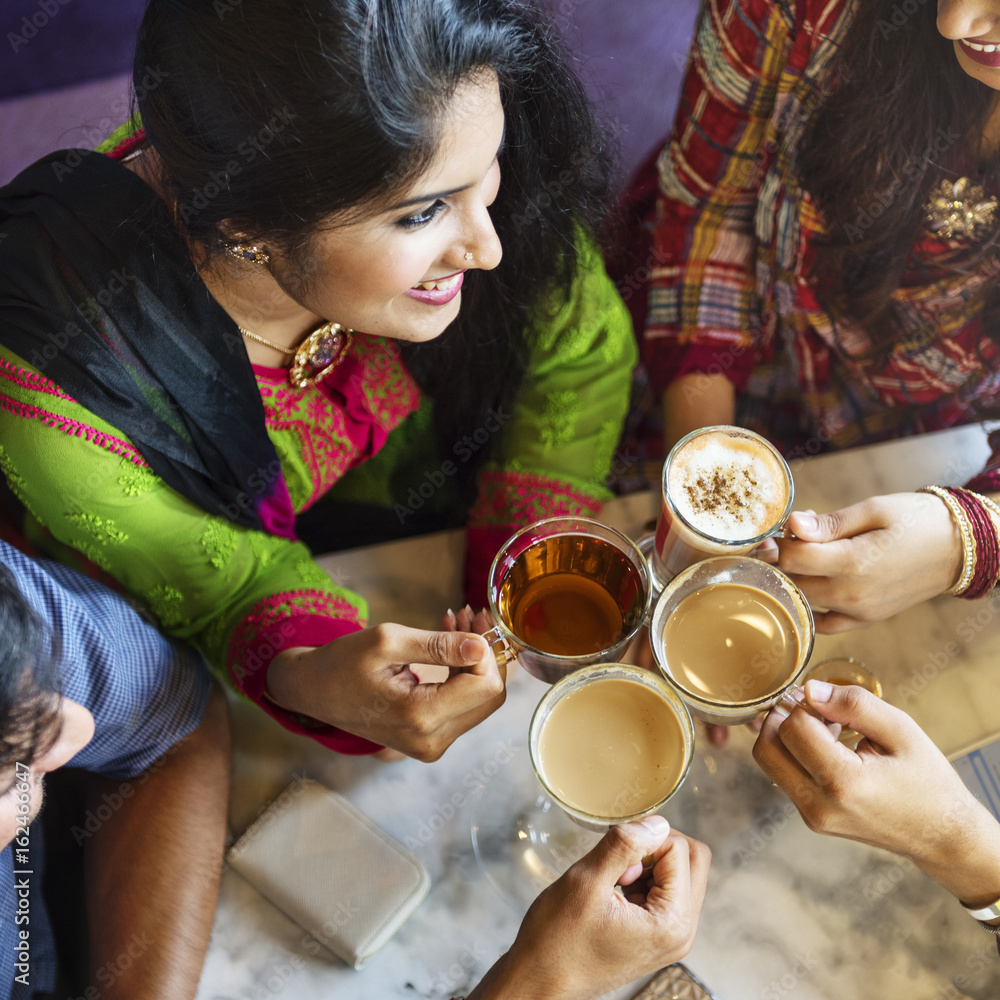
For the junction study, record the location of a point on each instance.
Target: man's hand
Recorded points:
(582, 937)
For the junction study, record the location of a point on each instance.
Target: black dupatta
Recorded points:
(98, 292)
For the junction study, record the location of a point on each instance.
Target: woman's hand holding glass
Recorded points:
(362, 683)
(867, 562)
(896, 791)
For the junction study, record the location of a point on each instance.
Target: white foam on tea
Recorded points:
(727, 486)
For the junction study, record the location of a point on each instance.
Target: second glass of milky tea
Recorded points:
(724, 491)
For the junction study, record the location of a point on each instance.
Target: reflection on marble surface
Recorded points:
(788, 914)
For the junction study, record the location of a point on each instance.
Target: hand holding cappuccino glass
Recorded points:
(567, 592)
(610, 743)
(731, 635)
(725, 490)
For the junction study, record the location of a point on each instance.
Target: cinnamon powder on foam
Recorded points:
(728, 487)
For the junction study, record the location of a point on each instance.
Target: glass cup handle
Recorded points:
(644, 543)
(502, 649)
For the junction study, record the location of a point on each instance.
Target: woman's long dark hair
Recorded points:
(275, 114)
(900, 107)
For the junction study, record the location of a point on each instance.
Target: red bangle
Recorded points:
(987, 570)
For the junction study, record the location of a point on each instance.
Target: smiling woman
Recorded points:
(310, 208)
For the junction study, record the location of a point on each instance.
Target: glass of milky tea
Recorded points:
(731, 634)
(610, 743)
(725, 490)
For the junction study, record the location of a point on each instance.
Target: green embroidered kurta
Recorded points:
(240, 595)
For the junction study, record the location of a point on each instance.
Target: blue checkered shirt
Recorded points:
(145, 693)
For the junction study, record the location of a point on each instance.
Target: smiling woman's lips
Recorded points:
(437, 296)
(980, 55)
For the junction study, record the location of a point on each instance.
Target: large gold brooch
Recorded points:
(319, 354)
(960, 209)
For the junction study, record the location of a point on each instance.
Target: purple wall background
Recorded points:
(64, 66)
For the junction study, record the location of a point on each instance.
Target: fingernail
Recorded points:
(819, 690)
(655, 824)
(807, 522)
(780, 711)
(472, 650)
(449, 613)
(468, 608)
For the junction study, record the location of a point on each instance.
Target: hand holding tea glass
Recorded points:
(873, 559)
(608, 743)
(582, 937)
(896, 791)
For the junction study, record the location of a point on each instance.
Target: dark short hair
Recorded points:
(29, 678)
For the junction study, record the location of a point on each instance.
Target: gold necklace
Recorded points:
(318, 354)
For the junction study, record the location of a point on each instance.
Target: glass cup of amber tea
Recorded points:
(724, 491)
(610, 743)
(731, 635)
(845, 670)
(567, 592)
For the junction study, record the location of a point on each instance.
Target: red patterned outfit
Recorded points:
(731, 241)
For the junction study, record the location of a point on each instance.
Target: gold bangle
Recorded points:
(965, 533)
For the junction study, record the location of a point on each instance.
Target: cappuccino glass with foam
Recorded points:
(725, 490)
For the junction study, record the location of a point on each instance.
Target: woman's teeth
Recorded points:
(980, 48)
(442, 285)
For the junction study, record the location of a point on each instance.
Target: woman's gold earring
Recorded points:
(247, 251)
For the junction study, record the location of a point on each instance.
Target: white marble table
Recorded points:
(788, 914)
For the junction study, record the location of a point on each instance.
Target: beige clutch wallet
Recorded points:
(330, 868)
(675, 982)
